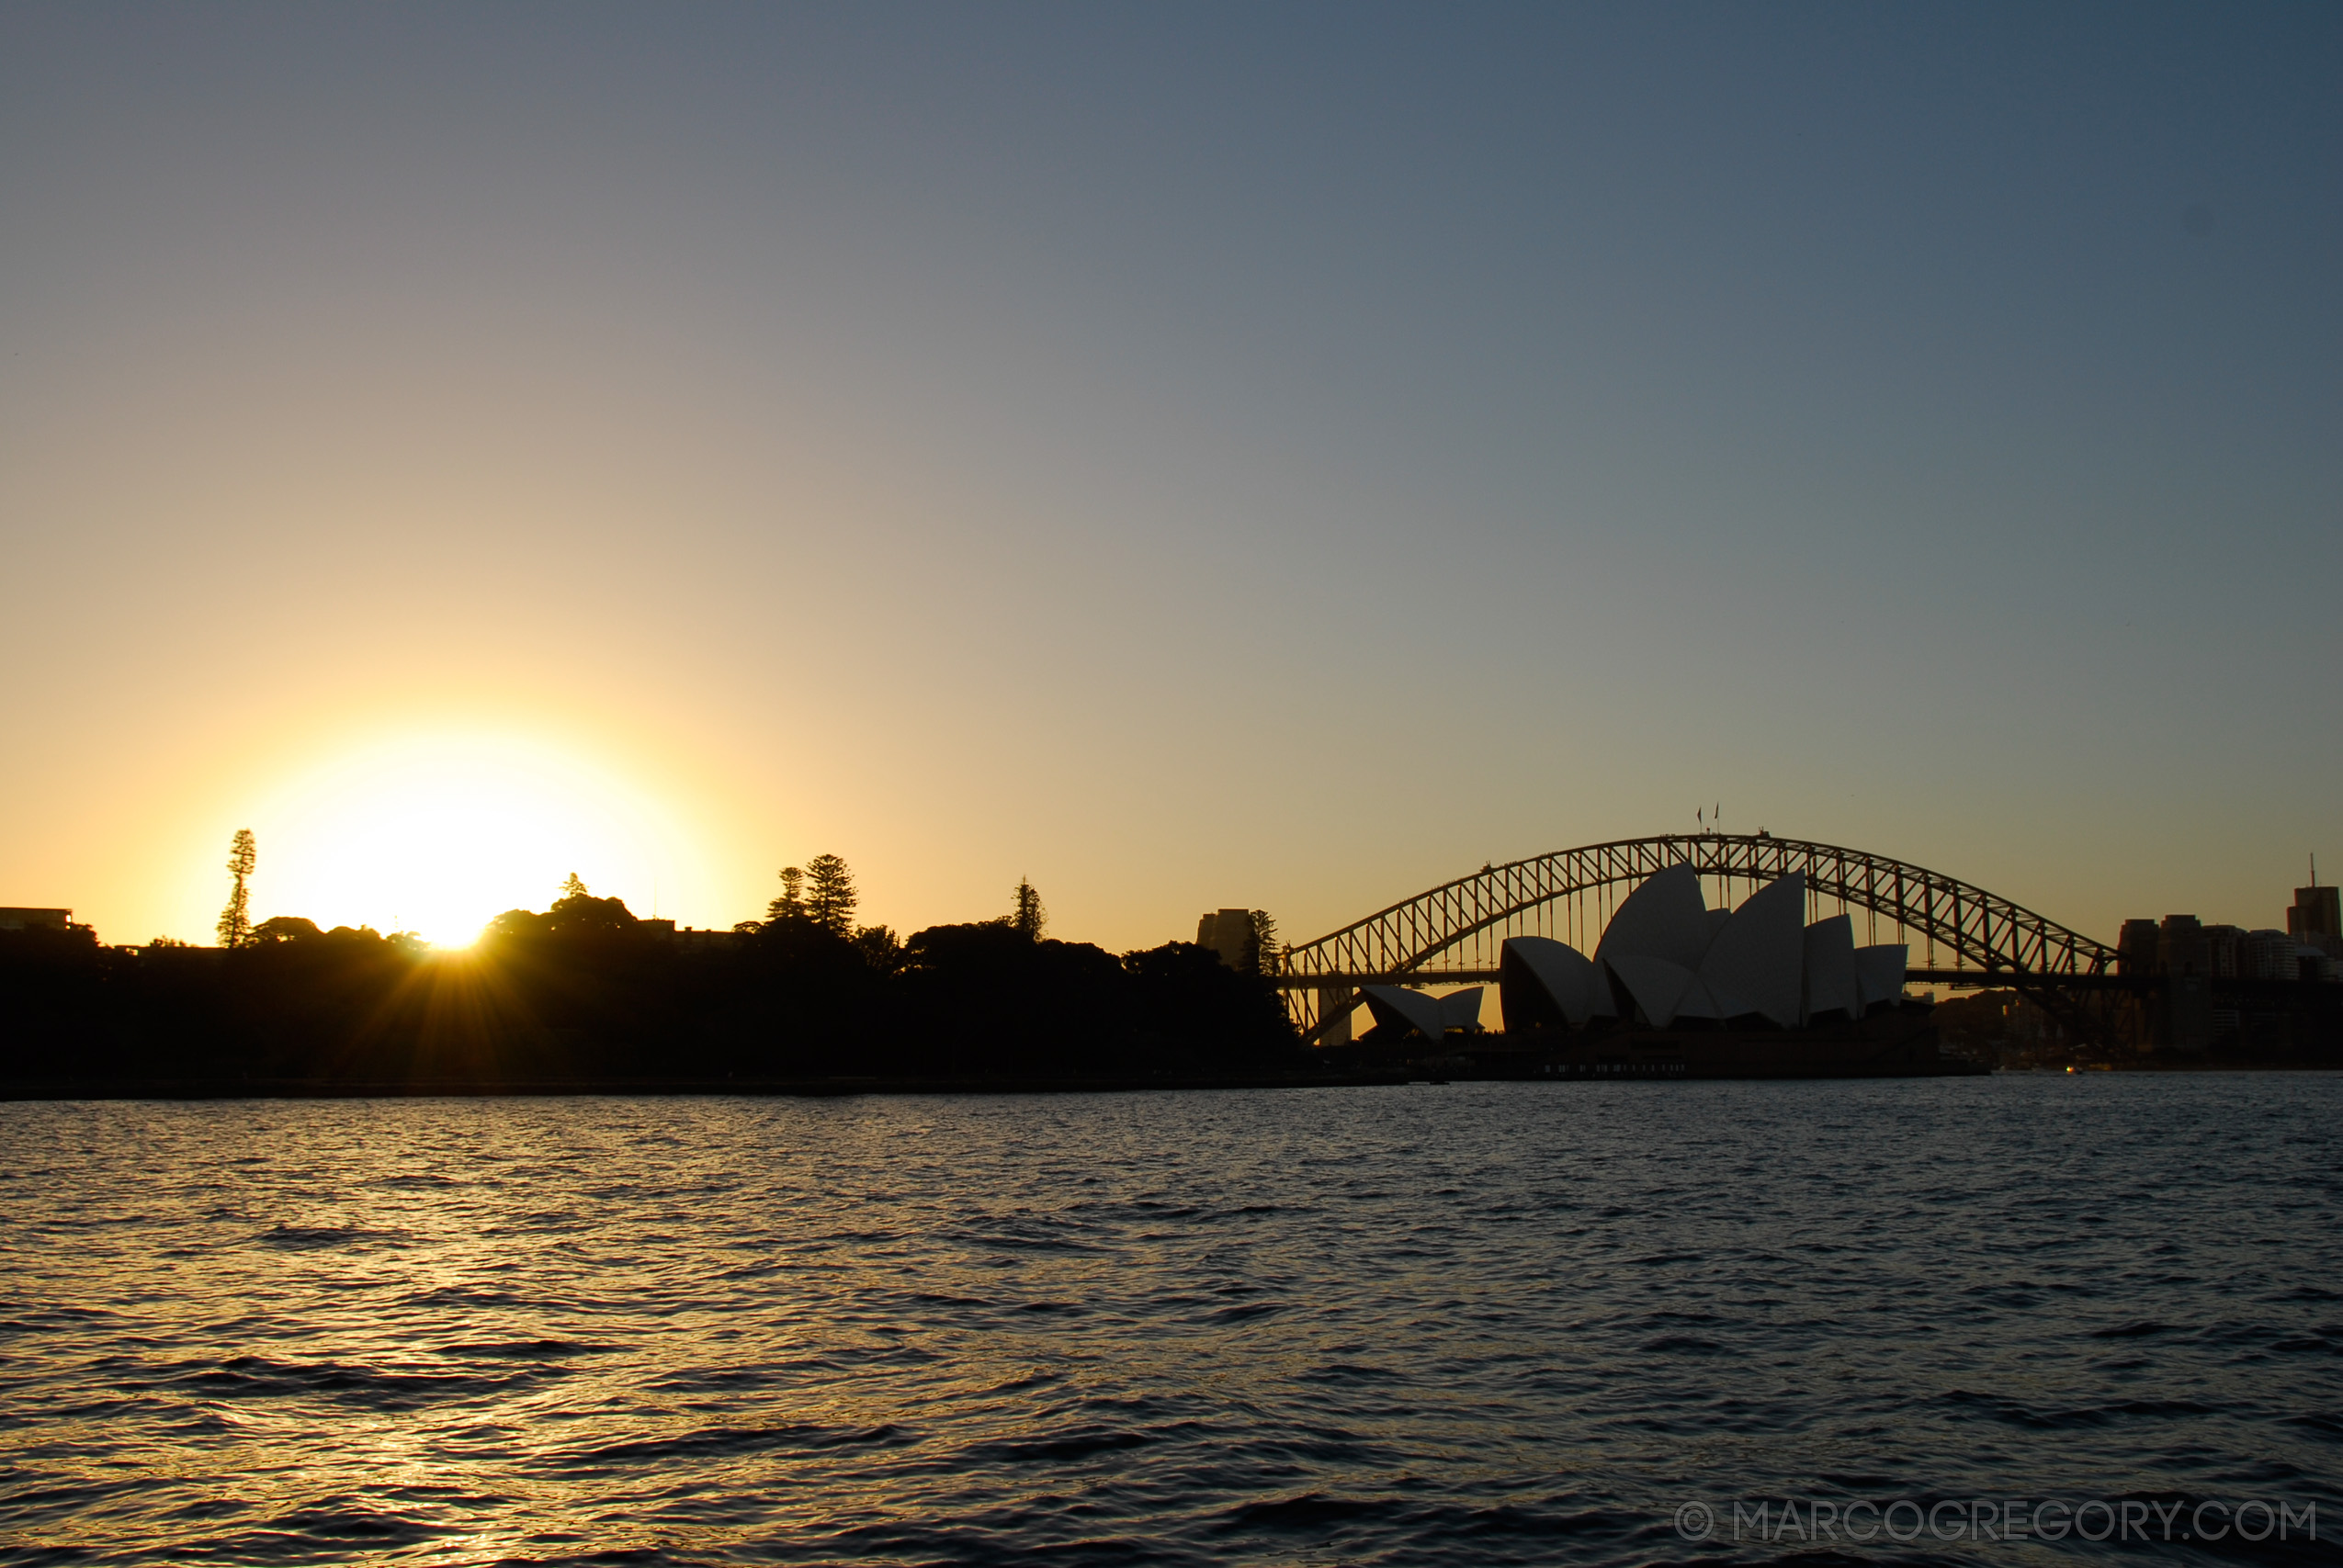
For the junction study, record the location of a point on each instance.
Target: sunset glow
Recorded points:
(1170, 782)
(786, 436)
(438, 835)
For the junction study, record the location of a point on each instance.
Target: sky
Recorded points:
(1279, 456)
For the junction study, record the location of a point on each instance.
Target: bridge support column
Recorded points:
(1334, 1005)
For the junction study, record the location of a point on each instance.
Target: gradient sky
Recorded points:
(1279, 455)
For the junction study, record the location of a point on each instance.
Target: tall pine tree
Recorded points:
(829, 895)
(235, 920)
(1026, 916)
(791, 904)
(1262, 944)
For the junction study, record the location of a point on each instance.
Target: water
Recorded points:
(1469, 1323)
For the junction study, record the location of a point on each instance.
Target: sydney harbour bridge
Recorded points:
(1960, 935)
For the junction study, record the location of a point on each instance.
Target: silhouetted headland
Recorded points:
(587, 997)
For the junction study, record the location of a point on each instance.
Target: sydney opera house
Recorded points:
(1667, 961)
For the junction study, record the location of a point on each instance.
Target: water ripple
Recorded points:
(1445, 1324)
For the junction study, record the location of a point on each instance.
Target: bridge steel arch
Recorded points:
(1455, 931)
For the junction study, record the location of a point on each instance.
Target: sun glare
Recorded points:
(438, 837)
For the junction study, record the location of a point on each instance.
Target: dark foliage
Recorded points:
(584, 993)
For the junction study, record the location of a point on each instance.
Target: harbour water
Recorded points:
(1461, 1324)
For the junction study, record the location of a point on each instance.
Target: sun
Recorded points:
(439, 835)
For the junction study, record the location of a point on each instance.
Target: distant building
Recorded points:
(2268, 955)
(2184, 957)
(1229, 933)
(2316, 919)
(29, 920)
(2180, 946)
(2203, 969)
(690, 938)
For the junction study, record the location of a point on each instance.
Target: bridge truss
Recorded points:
(1959, 934)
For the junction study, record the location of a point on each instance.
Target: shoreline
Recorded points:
(185, 1089)
(747, 1089)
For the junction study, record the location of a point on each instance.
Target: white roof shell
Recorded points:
(1461, 1010)
(1396, 1005)
(1831, 968)
(1880, 970)
(1564, 974)
(1757, 962)
(1664, 918)
(1703, 1000)
(1656, 984)
(1677, 958)
(1602, 1001)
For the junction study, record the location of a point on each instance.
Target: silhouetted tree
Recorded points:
(1263, 946)
(580, 912)
(1185, 994)
(574, 887)
(1027, 915)
(830, 895)
(585, 993)
(791, 904)
(880, 948)
(985, 999)
(235, 920)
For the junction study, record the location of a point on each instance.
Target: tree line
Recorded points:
(583, 992)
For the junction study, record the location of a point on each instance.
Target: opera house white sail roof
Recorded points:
(1667, 956)
(1399, 1009)
(1564, 975)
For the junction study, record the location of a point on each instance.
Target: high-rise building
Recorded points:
(2135, 948)
(1229, 933)
(2269, 955)
(2180, 945)
(2317, 912)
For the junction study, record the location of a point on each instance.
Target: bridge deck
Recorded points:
(1958, 979)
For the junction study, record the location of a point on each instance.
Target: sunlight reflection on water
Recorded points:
(1464, 1324)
